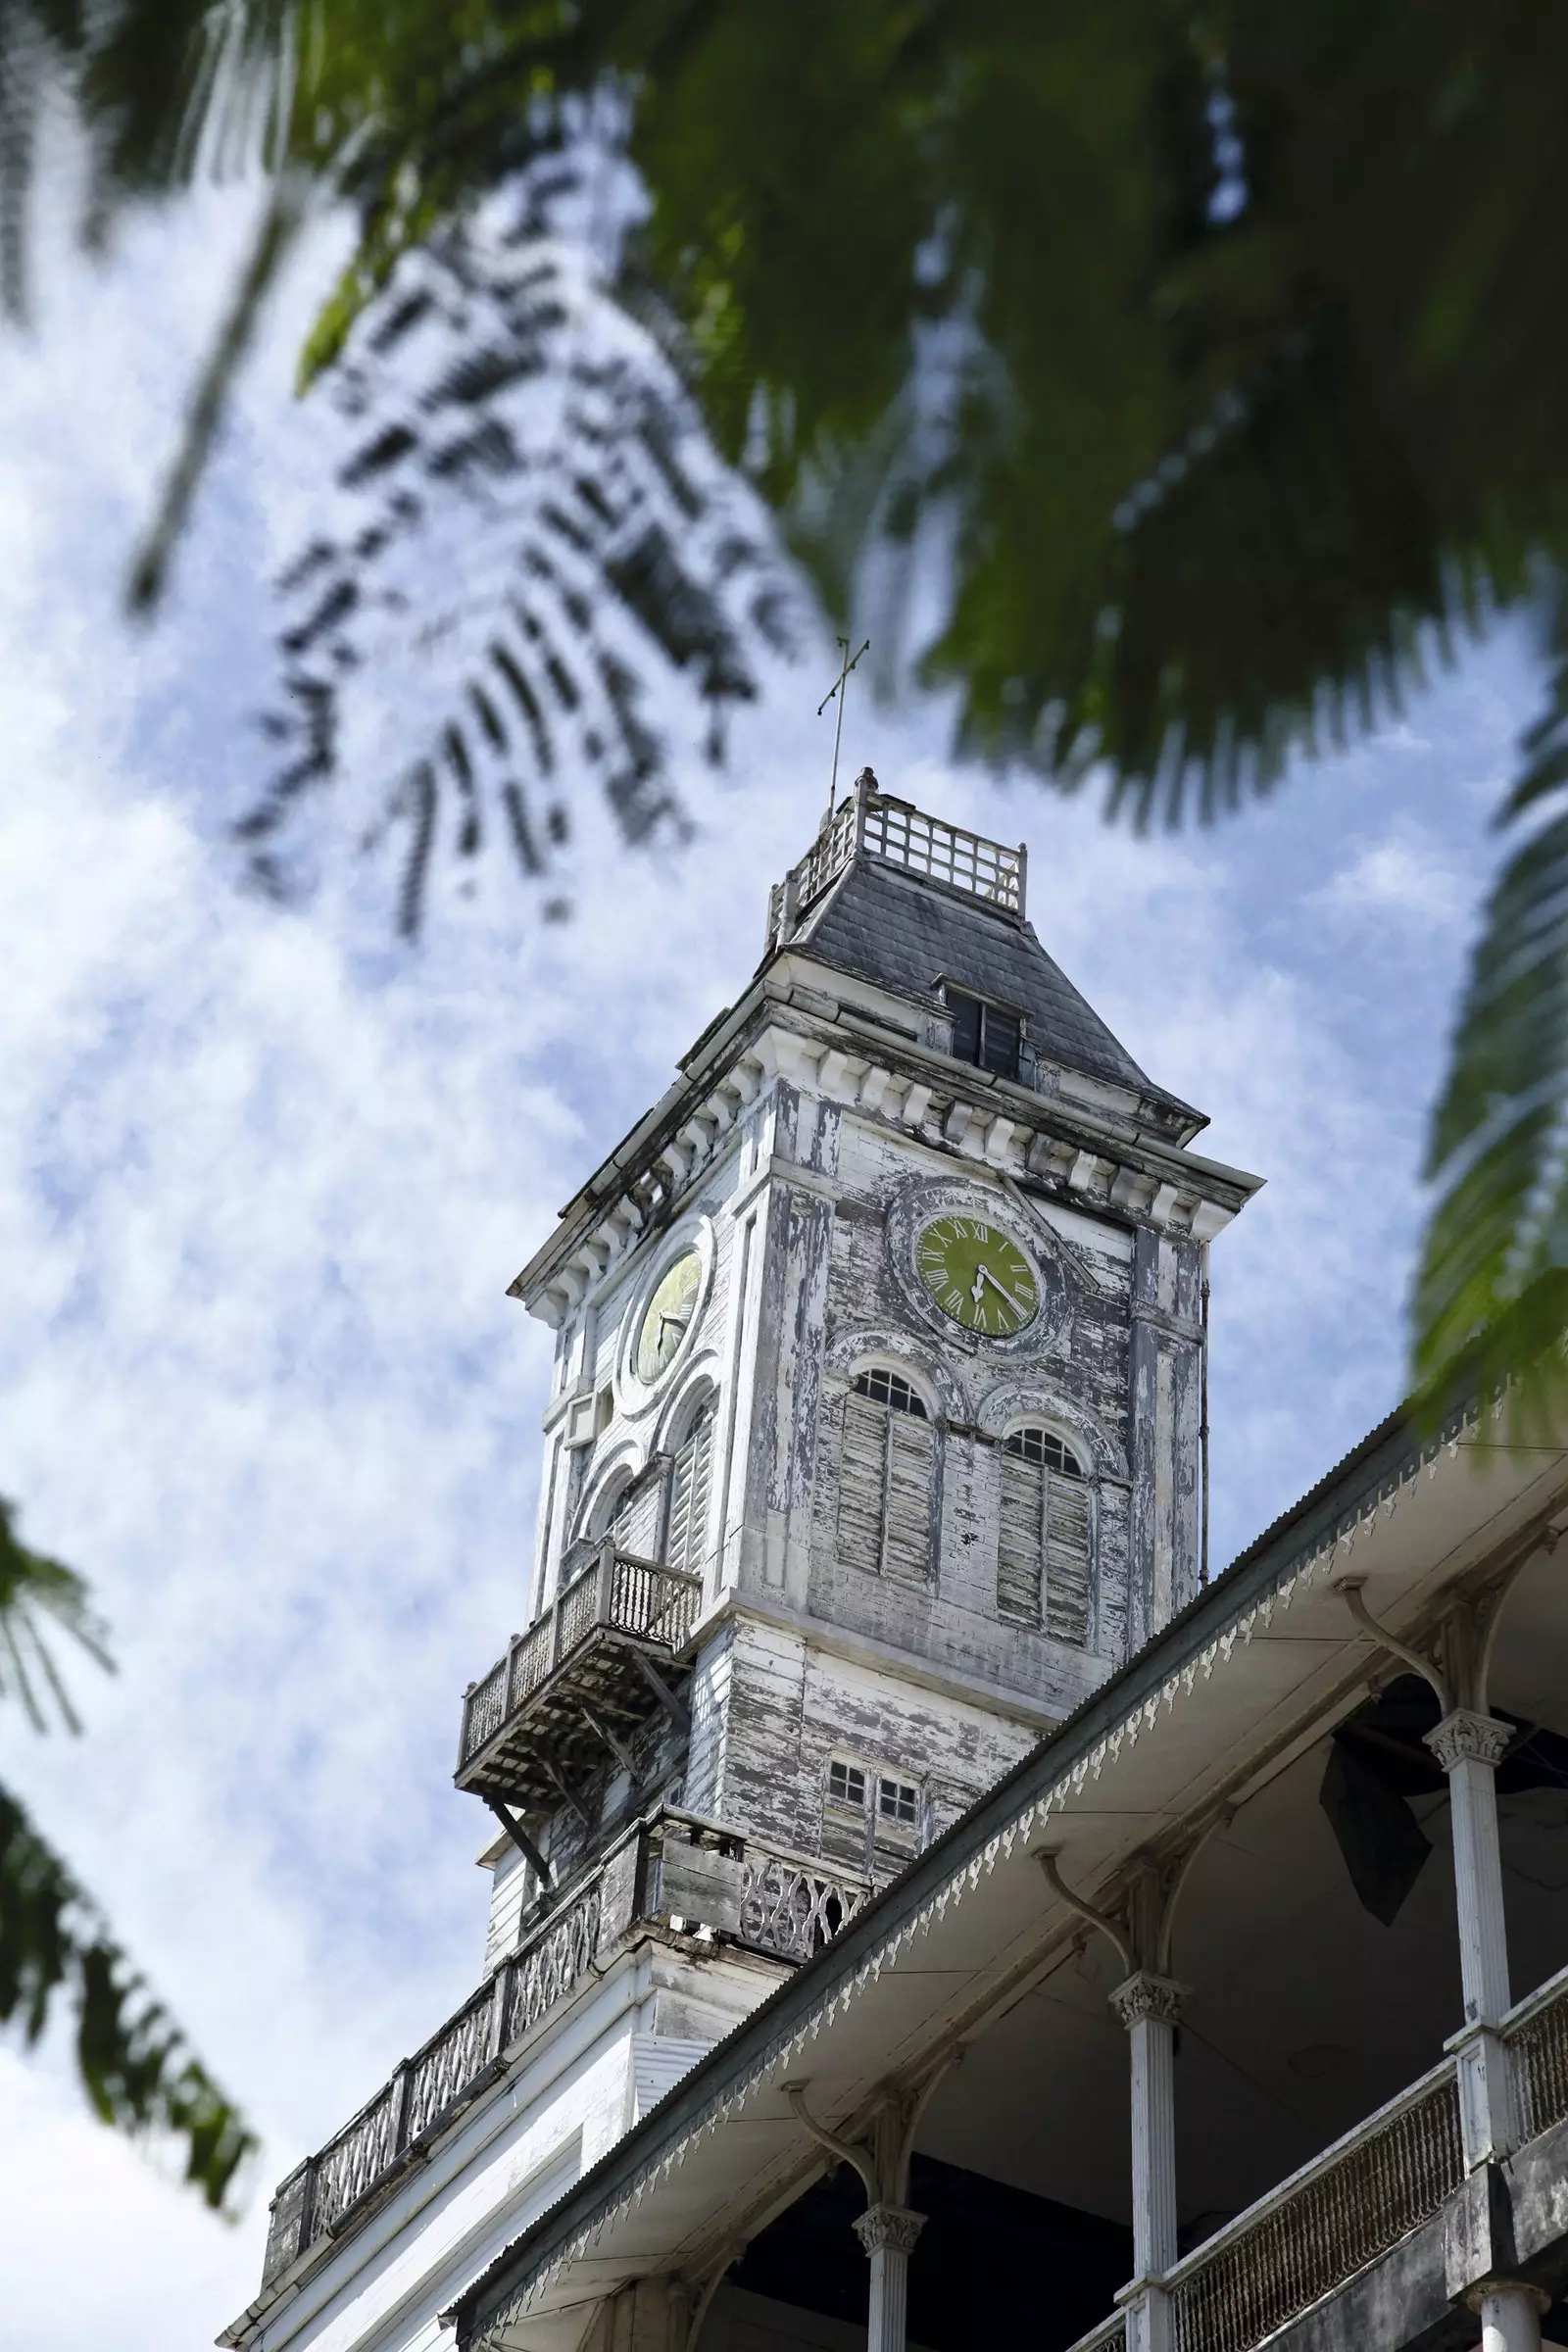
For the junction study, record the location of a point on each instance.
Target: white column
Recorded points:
(1511, 2316)
(1469, 1748)
(888, 2233)
(1149, 2007)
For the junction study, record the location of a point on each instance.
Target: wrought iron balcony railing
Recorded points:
(541, 1713)
(1354, 2203)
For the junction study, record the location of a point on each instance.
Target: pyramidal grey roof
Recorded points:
(906, 933)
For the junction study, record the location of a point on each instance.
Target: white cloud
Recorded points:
(1404, 877)
(262, 1182)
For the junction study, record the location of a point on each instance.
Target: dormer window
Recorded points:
(986, 1034)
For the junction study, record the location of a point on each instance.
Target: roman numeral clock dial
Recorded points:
(977, 1274)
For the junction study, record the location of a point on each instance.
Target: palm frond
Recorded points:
(1491, 1292)
(532, 533)
(134, 2063)
(33, 1588)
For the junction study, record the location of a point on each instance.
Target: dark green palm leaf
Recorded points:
(134, 2063)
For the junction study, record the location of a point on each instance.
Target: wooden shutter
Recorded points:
(862, 1470)
(911, 1483)
(635, 1526)
(1068, 1507)
(1021, 1548)
(688, 1495)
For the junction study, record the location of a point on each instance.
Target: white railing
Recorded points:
(899, 834)
(429, 2087)
(617, 1592)
(903, 835)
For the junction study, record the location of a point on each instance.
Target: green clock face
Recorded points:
(668, 1317)
(977, 1275)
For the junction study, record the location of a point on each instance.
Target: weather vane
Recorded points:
(838, 732)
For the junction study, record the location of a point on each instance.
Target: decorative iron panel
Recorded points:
(446, 2066)
(793, 1910)
(352, 2164)
(1319, 2233)
(552, 1966)
(1539, 2048)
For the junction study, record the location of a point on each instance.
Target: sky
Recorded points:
(265, 1177)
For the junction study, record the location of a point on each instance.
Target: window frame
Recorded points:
(985, 1008)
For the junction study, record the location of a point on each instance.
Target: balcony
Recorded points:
(1384, 2180)
(593, 1669)
(684, 1876)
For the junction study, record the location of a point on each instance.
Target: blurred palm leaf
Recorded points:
(1221, 347)
(531, 509)
(136, 2067)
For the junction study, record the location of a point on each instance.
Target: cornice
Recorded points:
(970, 1114)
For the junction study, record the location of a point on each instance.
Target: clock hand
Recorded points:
(985, 1275)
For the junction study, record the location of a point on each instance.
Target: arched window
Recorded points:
(690, 1484)
(887, 1479)
(1043, 1554)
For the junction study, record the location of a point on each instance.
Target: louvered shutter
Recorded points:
(911, 1483)
(1020, 1550)
(688, 1495)
(1068, 1507)
(863, 1472)
(635, 1526)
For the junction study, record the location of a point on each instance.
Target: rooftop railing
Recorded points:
(897, 834)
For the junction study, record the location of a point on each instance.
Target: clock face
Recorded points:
(667, 1317)
(977, 1274)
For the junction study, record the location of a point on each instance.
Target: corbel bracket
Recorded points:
(520, 1840)
(617, 1745)
(1349, 1589)
(672, 1706)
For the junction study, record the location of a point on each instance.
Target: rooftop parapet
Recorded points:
(872, 823)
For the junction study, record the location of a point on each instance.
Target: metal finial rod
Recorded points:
(837, 731)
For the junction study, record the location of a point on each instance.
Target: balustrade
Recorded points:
(616, 1593)
(788, 1906)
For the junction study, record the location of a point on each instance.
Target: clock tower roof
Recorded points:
(920, 906)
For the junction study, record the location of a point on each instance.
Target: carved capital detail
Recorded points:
(1144, 1995)
(881, 2226)
(1465, 1738)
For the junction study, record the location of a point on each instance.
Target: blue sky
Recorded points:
(264, 1181)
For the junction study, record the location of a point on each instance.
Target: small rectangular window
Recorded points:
(897, 1802)
(988, 1034)
(846, 1786)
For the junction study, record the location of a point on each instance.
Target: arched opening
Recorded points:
(887, 1478)
(1047, 1535)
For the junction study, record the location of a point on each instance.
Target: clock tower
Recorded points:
(880, 1344)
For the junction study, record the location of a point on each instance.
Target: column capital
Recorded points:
(1143, 1994)
(884, 2227)
(1465, 1738)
